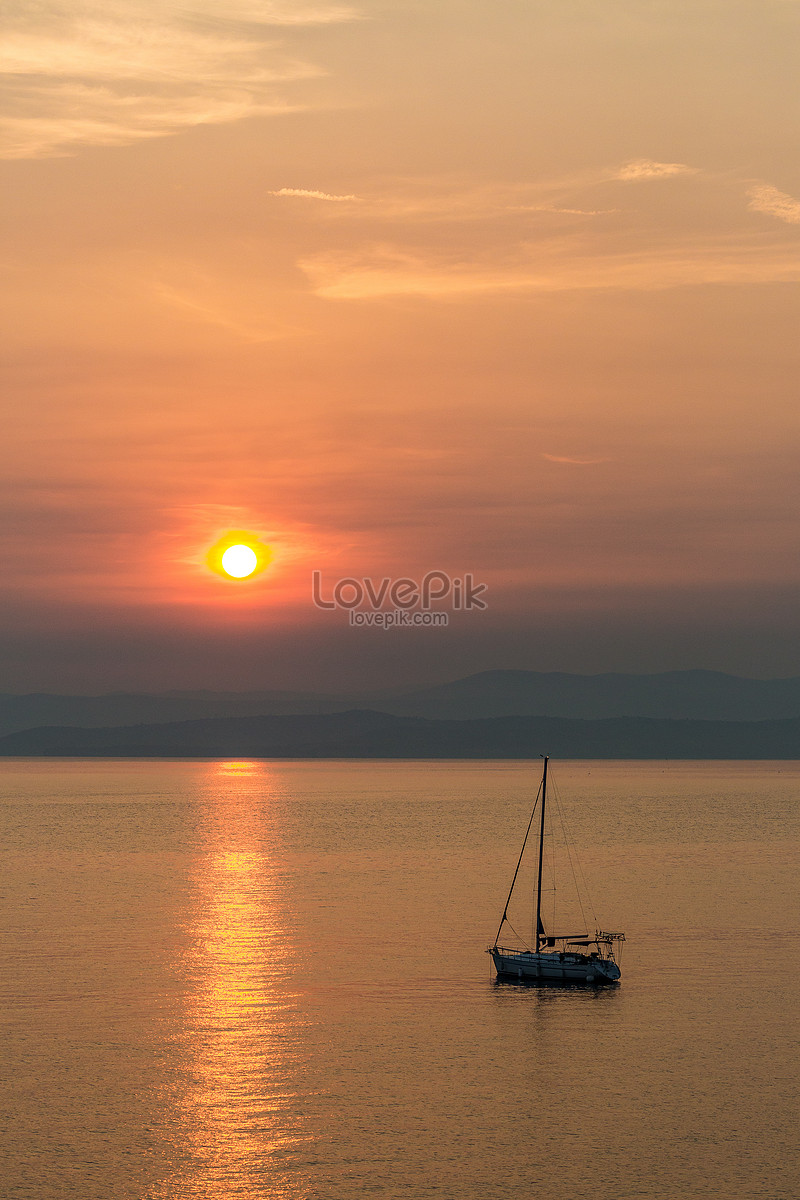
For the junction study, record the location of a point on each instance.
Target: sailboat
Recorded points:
(554, 957)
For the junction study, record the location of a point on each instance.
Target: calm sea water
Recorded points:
(241, 980)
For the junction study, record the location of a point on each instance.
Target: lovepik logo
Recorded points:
(464, 593)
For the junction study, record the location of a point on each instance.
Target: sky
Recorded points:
(506, 288)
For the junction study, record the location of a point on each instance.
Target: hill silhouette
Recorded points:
(367, 734)
(680, 695)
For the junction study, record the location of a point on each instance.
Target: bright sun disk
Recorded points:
(239, 561)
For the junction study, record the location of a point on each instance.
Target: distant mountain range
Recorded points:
(135, 708)
(695, 695)
(679, 695)
(365, 734)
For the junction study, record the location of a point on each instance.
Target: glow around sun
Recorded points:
(239, 554)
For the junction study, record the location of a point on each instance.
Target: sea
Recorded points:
(253, 980)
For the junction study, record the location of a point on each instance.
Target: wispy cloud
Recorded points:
(766, 199)
(101, 116)
(646, 168)
(214, 312)
(435, 199)
(555, 208)
(311, 194)
(118, 72)
(385, 270)
(577, 462)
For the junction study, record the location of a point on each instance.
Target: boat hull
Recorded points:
(562, 968)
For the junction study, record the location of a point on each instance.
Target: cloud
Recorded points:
(441, 198)
(766, 199)
(578, 462)
(92, 74)
(435, 199)
(558, 266)
(272, 12)
(645, 168)
(385, 270)
(311, 194)
(213, 312)
(101, 116)
(554, 208)
(490, 240)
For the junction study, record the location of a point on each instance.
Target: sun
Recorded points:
(239, 561)
(238, 554)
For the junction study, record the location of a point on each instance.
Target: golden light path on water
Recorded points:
(261, 981)
(237, 1117)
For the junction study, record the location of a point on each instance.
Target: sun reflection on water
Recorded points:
(238, 768)
(236, 1124)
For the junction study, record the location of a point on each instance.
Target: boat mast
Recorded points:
(541, 849)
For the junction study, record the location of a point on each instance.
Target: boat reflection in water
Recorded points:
(235, 1122)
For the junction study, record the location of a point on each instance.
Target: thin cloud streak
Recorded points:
(554, 208)
(768, 200)
(213, 314)
(97, 116)
(432, 199)
(576, 462)
(388, 271)
(645, 168)
(112, 75)
(311, 194)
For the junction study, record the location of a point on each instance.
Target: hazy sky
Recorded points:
(507, 287)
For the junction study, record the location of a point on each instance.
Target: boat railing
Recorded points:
(509, 950)
(565, 951)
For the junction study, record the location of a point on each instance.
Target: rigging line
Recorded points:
(559, 808)
(519, 860)
(585, 886)
(584, 883)
(516, 935)
(551, 859)
(556, 836)
(581, 885)
(569, 849)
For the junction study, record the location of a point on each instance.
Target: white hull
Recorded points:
(566, 968)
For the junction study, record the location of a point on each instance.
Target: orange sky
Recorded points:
(509, 289)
